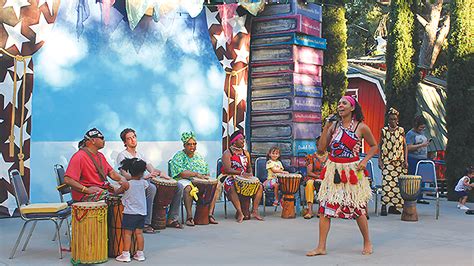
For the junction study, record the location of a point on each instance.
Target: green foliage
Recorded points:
(459, 106)
(402, 78)
(335, 56)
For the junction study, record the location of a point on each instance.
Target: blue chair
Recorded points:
(375, 184)
(261, 173)
(55, 212)
(63, 190)
(429, 184)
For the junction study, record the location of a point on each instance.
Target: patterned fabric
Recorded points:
(318, 162)
(23, 28)
(185, 136)
(181, 162)
(95, 197)
(229, 31)
(345, 143)
(339, 211)
(311, 186)
(272, 164)
(393, 158)
(270, 183)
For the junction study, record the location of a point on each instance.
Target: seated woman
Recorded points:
(185, 165)
(314, 164)
(236, 162)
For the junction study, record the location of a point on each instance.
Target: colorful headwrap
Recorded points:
(236, 137)
(186, 136)
(393, 111)
(350, 99)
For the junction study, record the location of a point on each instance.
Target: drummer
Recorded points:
(88, 169)
(236, 161)
(187, 164)
(129, 138)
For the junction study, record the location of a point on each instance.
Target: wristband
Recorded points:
(83, 188)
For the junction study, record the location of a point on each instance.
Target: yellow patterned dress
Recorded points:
(393, 160)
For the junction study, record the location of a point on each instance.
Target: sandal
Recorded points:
(175, 224)
(147, 229)
(212, 220)
(308, 216)
(190, 222)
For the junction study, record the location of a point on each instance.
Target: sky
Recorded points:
(171, 83)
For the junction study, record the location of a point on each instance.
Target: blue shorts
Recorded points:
(461, 194)
(133, 221)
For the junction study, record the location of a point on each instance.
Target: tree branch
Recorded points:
(421, 20)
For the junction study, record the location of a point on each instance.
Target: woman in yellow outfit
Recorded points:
(314, 164)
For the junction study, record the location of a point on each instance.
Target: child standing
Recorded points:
(463, 187)
(273, 166)
(134, 211)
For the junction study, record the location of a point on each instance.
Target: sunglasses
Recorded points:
(102, 138)
(191, 144)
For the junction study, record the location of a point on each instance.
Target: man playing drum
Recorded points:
(88, 169)
(129, 139)
(187, 164)
(236, 162)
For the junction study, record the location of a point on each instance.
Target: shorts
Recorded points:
(133, 221)
(270, 183)
(461, 194)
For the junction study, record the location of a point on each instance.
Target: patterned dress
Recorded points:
(393, 159)
(318, 162)
(344, 191)
(182, 162)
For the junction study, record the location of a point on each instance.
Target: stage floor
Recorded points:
(277, 241)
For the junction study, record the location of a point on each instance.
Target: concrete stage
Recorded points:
(447, 241)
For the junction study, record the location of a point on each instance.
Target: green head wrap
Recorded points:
(185, 136)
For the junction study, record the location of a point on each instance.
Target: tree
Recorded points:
(434, 34)
(460, 95)
(402, 78)
(335, 56)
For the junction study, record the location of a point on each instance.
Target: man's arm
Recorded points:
(116, 176)
(79, 187)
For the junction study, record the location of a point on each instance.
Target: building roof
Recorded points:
(431, 99)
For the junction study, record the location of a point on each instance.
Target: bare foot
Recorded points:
(367, 249)
(239, 217)
(316, 252)
(256, 216)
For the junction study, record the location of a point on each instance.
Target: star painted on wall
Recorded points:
(20, 69)
(4, 166)
(6, 89)
(14, 36)
(50, 5)
(42, 29)
(240, 91)
(16, 132)
(242, 54)
(211, 17)
(238, 25)
(16, 5)
(28, 108)
(226, 63)
(221, 40)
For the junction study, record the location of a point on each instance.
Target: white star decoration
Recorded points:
(10, 203)
(16, 132)
(240, 91)
(238, 25)
(42, 29)
(226, 63)
(211, 17)
(14, 36)
(50, 5)
(242, 54)
(221, 40)
(28, 108)
(6, 89)
(16, 5)
(19, 68)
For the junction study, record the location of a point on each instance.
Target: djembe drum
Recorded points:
(289, 185)
(410, 190)
(89, 233)
(207, 188)
(246, 187)
(115, 231)
(165, 190)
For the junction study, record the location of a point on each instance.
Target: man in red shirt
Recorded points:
(88, 169)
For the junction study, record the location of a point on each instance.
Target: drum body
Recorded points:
(89, 233)
(115, 231)
(207, 189)
(410, 190)
(246, 188)
(289, 185)
(165, 190)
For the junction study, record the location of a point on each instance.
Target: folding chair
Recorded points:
(375, 184)
(63, 190)
(426, 169)
(261, 173)
(55, 212)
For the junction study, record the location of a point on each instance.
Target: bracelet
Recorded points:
(83, 188)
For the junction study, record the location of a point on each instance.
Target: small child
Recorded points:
(463, 187)
(134, 211)
(274, 166)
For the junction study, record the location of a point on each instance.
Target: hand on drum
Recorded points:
(92, 190)
(247, 175)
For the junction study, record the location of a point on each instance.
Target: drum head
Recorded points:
(90, 205)
(251, 179)
(164, 182)
(197, 180)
